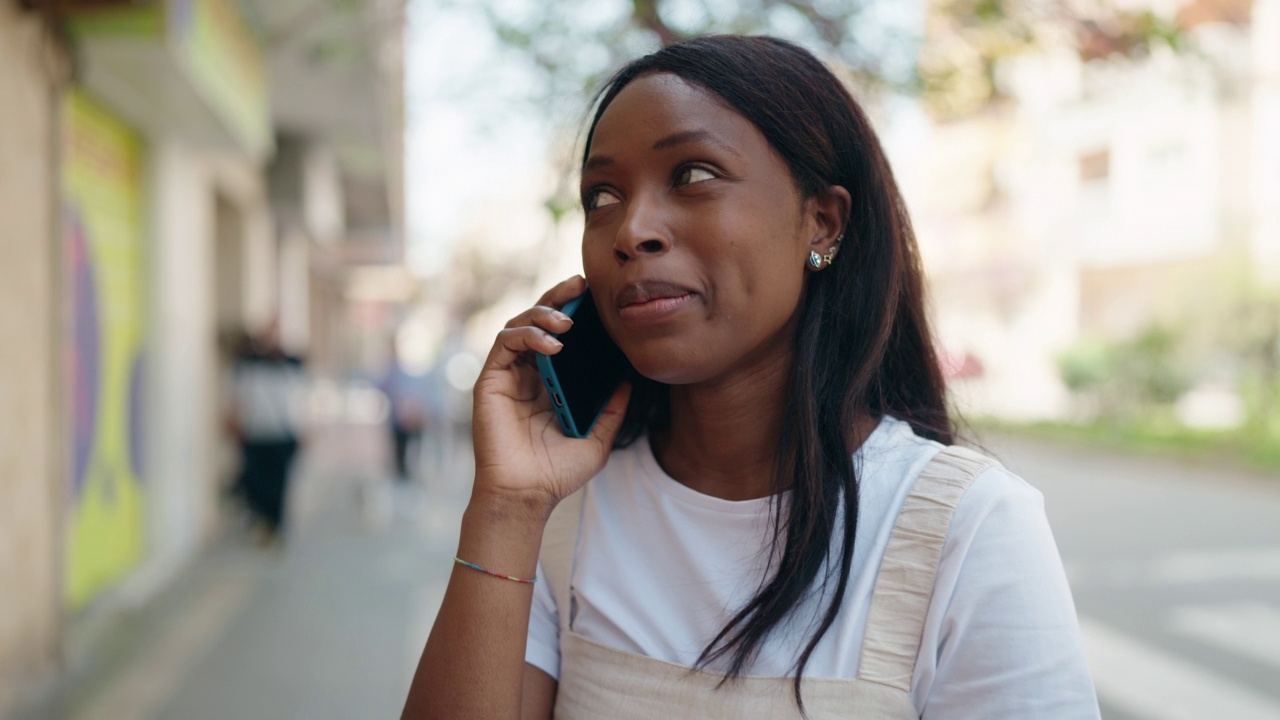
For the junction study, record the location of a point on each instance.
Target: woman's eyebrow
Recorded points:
(689, 136)
(673, 140)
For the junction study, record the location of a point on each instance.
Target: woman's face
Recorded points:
(696, 236)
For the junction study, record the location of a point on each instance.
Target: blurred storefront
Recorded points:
(173, 174)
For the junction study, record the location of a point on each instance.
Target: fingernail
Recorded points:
(556, 342)
(560, 316)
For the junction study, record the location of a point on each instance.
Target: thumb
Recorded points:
(610, 420)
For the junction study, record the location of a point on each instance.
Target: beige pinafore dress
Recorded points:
(597, 681)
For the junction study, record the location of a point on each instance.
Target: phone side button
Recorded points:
(555, 397)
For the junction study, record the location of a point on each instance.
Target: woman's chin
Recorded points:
(665, 370)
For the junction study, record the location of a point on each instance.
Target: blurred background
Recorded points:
(234, 224)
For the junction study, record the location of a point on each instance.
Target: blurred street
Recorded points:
(329, 625)
(237, 224)
(1176, 574)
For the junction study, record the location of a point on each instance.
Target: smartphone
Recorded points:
(582, 377)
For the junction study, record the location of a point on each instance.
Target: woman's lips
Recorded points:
(651, 300)
(657, 308)
(646, 290)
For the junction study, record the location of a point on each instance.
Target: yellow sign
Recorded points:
(225, 65)
(104, 277)
(209, 48)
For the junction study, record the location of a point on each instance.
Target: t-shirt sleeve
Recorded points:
(1002, 639)
(542, 650)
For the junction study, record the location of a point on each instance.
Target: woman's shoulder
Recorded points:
(992, 501)
(896, 440)
(894, 457)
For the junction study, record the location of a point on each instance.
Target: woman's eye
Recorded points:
(693, 174)
(597, 199)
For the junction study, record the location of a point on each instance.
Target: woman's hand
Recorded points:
(473, 665)
(521, 453)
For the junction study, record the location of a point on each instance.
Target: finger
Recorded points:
(548, 319)
(610, 420)
(563, 292)
(512, 343)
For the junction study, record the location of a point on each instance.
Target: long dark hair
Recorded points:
(863, 346)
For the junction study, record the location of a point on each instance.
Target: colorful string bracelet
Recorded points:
(473, 566)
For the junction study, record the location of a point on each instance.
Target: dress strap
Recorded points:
(904, 585)
(559, 541)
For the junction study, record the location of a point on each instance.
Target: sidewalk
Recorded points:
(328, 626)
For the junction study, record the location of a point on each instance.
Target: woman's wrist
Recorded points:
(503, 533)
(531, 506)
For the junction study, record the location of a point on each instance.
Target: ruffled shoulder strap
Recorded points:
(904, 585)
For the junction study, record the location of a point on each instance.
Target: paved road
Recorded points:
(1176, 574)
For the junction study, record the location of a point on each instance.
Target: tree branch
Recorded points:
(645, 14)
(832, 30)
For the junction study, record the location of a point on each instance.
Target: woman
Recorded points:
(772, 505)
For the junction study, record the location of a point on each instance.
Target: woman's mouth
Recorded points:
(655, 309)
(651, 301)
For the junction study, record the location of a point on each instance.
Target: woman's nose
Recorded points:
(644, 231)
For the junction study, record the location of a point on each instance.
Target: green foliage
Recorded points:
(1261, 395)
(573, 45)
(1152, 364)
(1085, 367)
(947, 51)
(1228, 334)
(1122, 380)
(1156, 436)
(967, 40)
(1243, 326)
(561, 205)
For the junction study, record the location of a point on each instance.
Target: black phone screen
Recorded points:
(589, 367)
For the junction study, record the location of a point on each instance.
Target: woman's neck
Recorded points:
(723, 436)
(723, 439)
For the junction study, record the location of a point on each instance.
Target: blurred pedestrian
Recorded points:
(772, 518)
(412, 410)
(268, 389)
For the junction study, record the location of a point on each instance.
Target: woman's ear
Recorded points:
(829, 215)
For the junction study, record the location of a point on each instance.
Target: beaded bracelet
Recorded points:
(473, 566)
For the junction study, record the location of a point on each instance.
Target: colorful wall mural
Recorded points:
(104, 251)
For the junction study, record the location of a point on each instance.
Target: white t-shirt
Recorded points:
(661, 568)
(268, 393)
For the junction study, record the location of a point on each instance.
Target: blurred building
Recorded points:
(173, 174)
(1103, 196)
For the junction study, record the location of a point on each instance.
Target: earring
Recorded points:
(820, 261)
